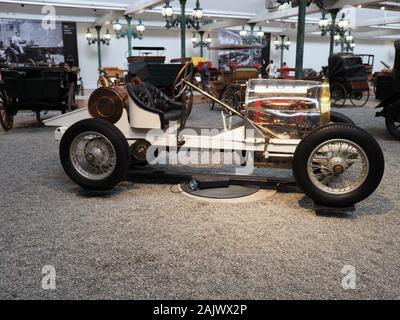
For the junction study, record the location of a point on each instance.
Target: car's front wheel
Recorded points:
(95, 154)
(337, 117)
(338, 165)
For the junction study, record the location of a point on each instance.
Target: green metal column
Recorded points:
(333, 13)
(98, 40)
(300, 39)
(282, 48)
(201, 43)
(129, 34)
(252, 41)
(183, 28)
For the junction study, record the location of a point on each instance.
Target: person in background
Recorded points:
(70, 66)
(2, 52)
(17, 42)
(205, 75)
(272, 70)
(285, 71)
(79, 87)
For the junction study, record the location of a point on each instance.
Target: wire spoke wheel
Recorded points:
(230, 97)
(93, 156)
(187, 99)
(6, 118)
(103, 82)
(71, 97)
(338, 95)
(338, 166)
(360, 98)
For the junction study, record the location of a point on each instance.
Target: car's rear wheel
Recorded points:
(95, 154)
(6, 117)
(338, 165)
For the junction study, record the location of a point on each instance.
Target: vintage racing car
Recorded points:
(284, 124)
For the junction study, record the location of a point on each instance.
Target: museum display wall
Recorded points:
(316, 50)
(116, 53)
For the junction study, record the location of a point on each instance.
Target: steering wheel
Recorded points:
(179, 86)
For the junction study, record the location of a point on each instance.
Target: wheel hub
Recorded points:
(338, 169)
(93, 155)
(139, 150)
(337, 165)
(90, 157)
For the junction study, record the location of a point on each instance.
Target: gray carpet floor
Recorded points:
(144, 241)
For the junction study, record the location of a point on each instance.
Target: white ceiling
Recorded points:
(251, 7)
(215, 10)
(244, 6)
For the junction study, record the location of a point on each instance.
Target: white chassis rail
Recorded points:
(227, 139)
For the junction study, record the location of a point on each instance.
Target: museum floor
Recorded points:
(145, 242)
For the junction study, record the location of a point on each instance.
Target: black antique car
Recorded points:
(36, 89)
(32, 54)
(348, 79)
(152, 68)
(391, 104)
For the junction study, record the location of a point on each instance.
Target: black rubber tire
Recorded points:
(6, 118)
(229, 96)
(11, 56)
(339, 131)
(337, 117)
(362, 101)
(38, 116)
(393, 120)
(71, 97)
(119, 142)
(212, 106)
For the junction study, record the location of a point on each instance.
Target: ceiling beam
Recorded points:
(331, 4)
(140, 5)
(281, 14)
(108, 18)
(70, 4)
(362, 36)
(33, 16)
(334, 4)
(376, 33)
(379, 5)
(227, 23)
(378, 21)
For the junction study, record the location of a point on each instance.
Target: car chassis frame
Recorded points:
(328, 152)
